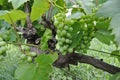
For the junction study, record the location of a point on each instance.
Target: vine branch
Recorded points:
(64, 61)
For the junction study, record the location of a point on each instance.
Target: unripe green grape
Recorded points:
(60, 19)
(3, 49)
(65, 47)
(29, 59)
(25, 47)
(82, 46)
(60, 26)
(70, 29)
(56, 23)
(58, 31)
(67, 41)
(70, 50)
(32, 54)
(1, 39)
(63, 39)
(92, 34)
(69, 21)
(85, 37)
(68, 35)
(61, 50)
(66, 27)
(2, 43)
(82, 21)
(23, 56)
(63, 32)
(57, 46)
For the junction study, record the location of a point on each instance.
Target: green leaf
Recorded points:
(1, 2)
(61, 3)
(102, 25)
(39, 8)
(115, 77)
(116, 53)
(115, 25)
(109, 8)
(17, 3)
(104, 36)
(12, 16)
(76, 35)
(38, 71)
(44, 40)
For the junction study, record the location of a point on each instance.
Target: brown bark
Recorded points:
(64, 61)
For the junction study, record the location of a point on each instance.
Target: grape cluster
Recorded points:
(2, 46)
(87, 29)
(64, 35)
(6, 49)
(27, 55)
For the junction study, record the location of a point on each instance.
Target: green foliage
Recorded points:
(117, 53)
(9, 61)
(39, 8)
(8, 15)
(77, 24)
(111, 9)
(17, 3)
(37, 71)
(115, 77)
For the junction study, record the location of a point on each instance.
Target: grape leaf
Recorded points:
(115, 77)
(17, 3)
(12, 16)
(37, 71)
(1, 2)
(109, 8)
(61, 3)
(115, 25)
(76, 34)
(39, 8)
(116, 54)
(112, 9)
(104, 36)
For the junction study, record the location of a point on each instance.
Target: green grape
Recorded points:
(65, 47)
(70, 29)
(63, 40)
(56, 23)
(64, 32)
(1, 39)
(29, 59)
(82, 21)
(70, 50)
(60, 26)
(92, 34)
(2, 43)
(32, 54)
(67, 41)
(1, 51)
(60, 19)
(82, 46)
(69, 21)
(66, 27)
(68, 35)
(85, 37)
(27, 48)
(23, 56)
